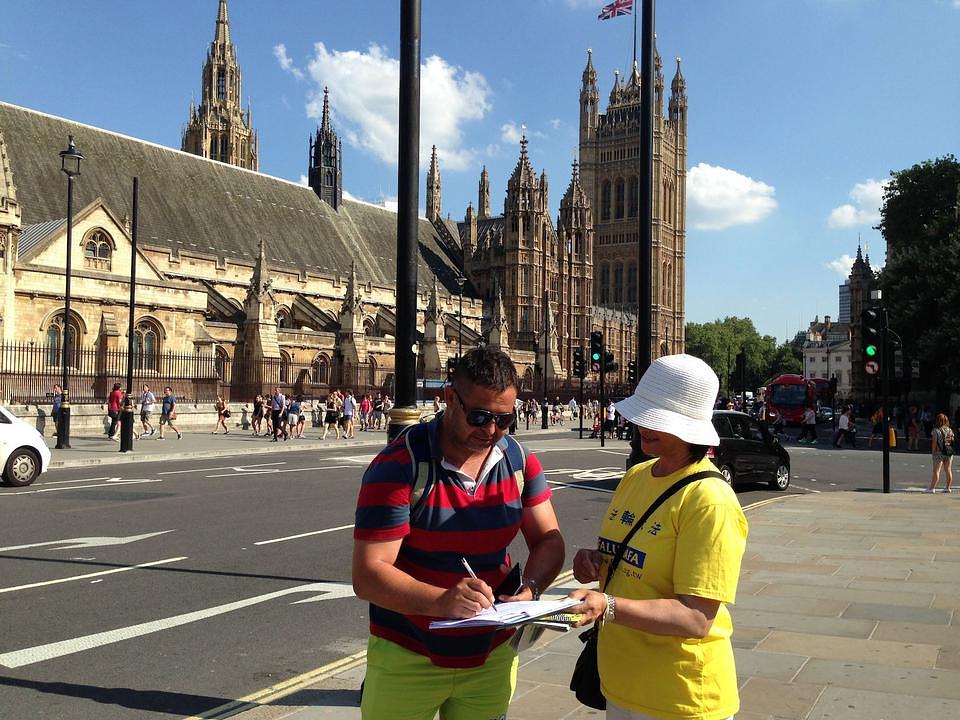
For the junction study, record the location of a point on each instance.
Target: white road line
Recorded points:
(303, 535)
(614, 452)
(277, 471)
(40, 653)
(225, 467)
(579, 487)
(87, 542)
(90, 575)
(109, 483)
(67, 482)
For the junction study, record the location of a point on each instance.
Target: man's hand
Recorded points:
(592, 605)
(465, 599)
(586, 566)
(525, 594)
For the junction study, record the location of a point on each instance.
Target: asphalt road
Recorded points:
(166, 589)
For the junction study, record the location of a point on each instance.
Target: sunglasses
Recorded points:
(482, 418)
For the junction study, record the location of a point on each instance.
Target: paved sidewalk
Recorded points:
(847, 610)
(100, 450)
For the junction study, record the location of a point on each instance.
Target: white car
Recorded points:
(23, 453)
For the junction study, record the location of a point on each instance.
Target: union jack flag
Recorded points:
(615, 9)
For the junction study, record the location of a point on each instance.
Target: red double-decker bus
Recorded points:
(787, 396)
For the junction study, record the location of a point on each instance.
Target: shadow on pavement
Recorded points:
(173, 703)
(317, 697)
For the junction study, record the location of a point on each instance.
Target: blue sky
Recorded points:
(799, 109)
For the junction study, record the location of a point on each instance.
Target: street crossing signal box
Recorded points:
(872, 327)
(596, 350)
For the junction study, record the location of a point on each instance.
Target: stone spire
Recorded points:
(218, 129)
(325, 173)
(483, 195)
(678, 98)
(498, 335)
(589, 101)
(433, 188)
(352, 300)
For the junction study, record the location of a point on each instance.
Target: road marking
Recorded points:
(276, 471)
(86, 542)
(90, 575)
(50, 651)
(614, 452)
(225, 467)
(578, 486)
(67, 482)
(112, 482)
(303, 535)
(311, 677)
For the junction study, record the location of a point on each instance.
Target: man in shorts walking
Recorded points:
(168, 412)
(147, 401)
(441, 554)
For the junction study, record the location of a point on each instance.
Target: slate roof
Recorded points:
(189, 203)
(489, 231)
(32, 235)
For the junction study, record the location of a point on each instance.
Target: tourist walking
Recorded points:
(147, 402)
(913, 429)
(876, 427)
(114, 403)
(330, 419)
(349, 411)
(278, 406)
(223, 412)
(168, 412)
(257, 419)
(808, 426)
(378, 411)
(846, 429)
(57, 407)
(942, 447)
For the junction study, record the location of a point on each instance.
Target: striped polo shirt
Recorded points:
(449, 523)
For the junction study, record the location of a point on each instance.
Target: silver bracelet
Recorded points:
(610, 613)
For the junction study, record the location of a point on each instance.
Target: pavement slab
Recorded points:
(921, 682)
(880, 652)
(838, 703)
(898, 613)
(765, 695)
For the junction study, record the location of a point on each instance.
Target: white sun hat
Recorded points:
(676, 396)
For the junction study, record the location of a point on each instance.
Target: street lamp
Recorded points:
(70, 164)
(460, 281)
(546, 319)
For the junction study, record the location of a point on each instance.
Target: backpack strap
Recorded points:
(517, 460)
(622, 547)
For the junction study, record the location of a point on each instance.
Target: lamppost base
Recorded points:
(63, 428)
(545, 422)
(126, 428)
(400, 419)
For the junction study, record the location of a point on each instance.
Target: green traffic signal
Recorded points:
(595, 357)
(871, 350)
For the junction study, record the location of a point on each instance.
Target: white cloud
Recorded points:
(865, 210)
(510, 133)
(364, 98)
(280, 53)
(556, 123)
(304, 180)
(842, 265)
(719, 198)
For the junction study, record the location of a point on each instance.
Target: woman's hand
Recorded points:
(593, 605)
(586, 566)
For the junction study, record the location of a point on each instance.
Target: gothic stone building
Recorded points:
(609, 170)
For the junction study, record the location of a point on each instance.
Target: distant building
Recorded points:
(826, 353)
(844, 315)
(862, 282)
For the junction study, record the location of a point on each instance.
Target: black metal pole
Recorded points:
(603, 400)
(544, 424)
(408, 184)
(645, 251)
(582, 409)
(127, 414)
(63, 432)
(885, 392)
(460, 281)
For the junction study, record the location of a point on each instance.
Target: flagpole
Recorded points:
(634, 13)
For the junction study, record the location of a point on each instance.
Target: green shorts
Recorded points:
(402, 685)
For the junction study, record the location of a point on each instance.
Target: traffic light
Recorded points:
(596, 350)
(579, 369)
(451, 367)
(872, 326)
(609, 364)
(632, 372)
(833, 385)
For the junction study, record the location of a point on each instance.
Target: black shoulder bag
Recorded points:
(585, 681)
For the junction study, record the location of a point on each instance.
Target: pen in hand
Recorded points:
(469, 569)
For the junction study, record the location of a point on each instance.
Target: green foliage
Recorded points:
(717, 343)
(921, 279)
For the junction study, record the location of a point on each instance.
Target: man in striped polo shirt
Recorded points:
(482, 488)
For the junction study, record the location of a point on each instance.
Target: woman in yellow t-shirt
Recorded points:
(664, 646)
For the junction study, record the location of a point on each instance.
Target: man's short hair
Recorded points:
(488, 367)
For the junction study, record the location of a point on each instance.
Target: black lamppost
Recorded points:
(460, 281)
(544, 424)
(70, 164)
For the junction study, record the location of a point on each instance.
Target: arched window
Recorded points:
(213, 148)
(146, 346)
(221, 85)
(55, 336)
(664, 287)
(605, 201)
(221, 361)
(618, 283)
(320, 369)
(620, 199)
(98, 251)
(604, 284)
(632, 282)
(369, 327)
(283, 319)
(633, 201)
(284, 367)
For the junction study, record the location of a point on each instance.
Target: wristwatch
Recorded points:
(534, 587)
(610, 614)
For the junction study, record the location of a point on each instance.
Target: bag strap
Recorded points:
(622, 548)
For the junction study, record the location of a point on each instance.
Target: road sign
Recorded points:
(872, 367)
(915, 368)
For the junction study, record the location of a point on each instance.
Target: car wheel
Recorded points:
(727, 473)
(782, 478)
(23, 467)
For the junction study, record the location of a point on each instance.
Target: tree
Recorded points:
(920, 221)
(717, 343)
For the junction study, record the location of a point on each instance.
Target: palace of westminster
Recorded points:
(243, 269)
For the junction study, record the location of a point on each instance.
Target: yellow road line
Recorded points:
(768, 501)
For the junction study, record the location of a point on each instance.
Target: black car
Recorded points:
(748, 451)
